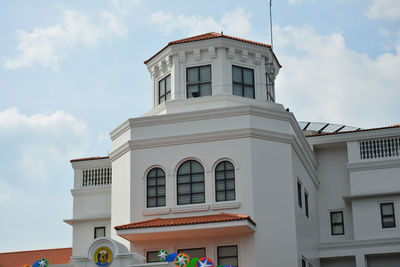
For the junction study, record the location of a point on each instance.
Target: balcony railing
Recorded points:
(380, 148)
(96, 177)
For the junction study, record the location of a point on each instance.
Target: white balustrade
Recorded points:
(96, 177)
(380, 148)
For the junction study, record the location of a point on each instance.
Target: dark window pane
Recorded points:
(237, 89)
(190, 183)
(99, 232)
(205, 89)
(152, 256)
(228, 255)
(155, 188)
(236, 74)
(243, 81)
(205, 74)
(192, 75)
(193, 252)
(224, 181)
(248, 76)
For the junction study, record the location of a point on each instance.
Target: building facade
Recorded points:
(217, 168)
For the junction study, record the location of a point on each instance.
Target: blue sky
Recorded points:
(71, 71)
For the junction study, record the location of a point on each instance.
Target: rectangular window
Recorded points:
(270, 88)
(387, 215)
(164, 89)
(152, 256)
(306, 203)
(337, 223)
(193, 252)
(228, 255)
(243, 81)
(198, 81)
(99, 232)
(299, 194)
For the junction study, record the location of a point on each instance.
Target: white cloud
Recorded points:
(55, 123)
(49, 45)
(236, 22)
(323, 80)
(384, 9)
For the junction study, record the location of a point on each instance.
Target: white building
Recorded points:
(216, 168)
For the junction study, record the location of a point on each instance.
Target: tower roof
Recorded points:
(211, 35)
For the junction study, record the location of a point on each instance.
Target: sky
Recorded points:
(72, 71)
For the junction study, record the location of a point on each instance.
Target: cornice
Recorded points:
(373, 165)
(78, 220)
(92, 191)
(359, 243)
(370, 195)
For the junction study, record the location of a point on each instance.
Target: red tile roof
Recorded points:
(20, 258)
(159, 222)
(91, 158)
(356, 131)
(210, 35)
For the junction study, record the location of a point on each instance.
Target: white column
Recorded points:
(361, 260)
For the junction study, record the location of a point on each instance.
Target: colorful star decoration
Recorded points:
(43, 263)
(181, 260)
(163, 255)
(205, 262)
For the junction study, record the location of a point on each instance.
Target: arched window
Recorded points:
(155, 188)
(224, 181)
(190, 182)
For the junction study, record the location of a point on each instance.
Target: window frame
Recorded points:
(198, 78)
(224, 246)
(156, 188)
(242, 83)
(164, 96)
(186, 249)
(334, 224)
(98, 228)
(306, 206)
(388, 216)
(190, 183)
(270, 87)
(299, 194)
(147, 256)
(225, 181)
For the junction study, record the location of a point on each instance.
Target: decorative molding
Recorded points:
(212, 52)
(190, 208)
(225, 205)
(373, 165)
(359, 243)
(197, 55)
(182, 56)
(156, 211)
(244, 56)
(231, 53)
(370, 195)
(78, 220)
(257, 59)
(92, 191)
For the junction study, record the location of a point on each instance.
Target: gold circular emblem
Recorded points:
(103, 256)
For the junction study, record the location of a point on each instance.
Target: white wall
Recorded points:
(307, 228)
(367, 218)
(335, 184)
(83, 235)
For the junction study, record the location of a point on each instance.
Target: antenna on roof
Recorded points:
(270, 22)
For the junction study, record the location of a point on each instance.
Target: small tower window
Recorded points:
(164, 89)
(198, 81)
(270, 87)
(243, 81)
